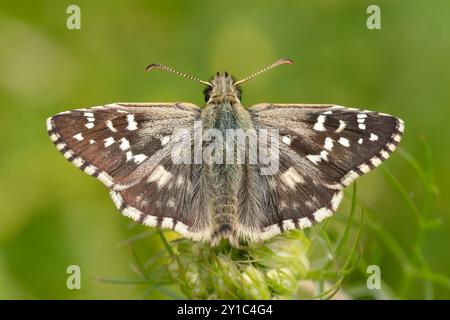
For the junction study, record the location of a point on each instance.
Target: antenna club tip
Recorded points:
(151, 66)
(286, 61)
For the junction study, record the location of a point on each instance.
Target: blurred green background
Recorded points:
(52, 215)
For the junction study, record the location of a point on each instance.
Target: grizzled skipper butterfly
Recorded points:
(225, 171)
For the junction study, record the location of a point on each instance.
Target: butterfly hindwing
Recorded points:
(173, 196)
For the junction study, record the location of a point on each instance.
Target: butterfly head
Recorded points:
(222, 86)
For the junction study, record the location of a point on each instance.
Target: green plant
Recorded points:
(413, 268)
(285, 267)
(310, 264)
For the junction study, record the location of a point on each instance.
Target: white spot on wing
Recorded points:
(167, 223)
(165, 140)
(373, 137)
(401, 125)
(124, 145)
(49, 124)
(79, 136)
(341, 126)
(181, 228)
(321, 214)
(316, 158)
(160, 175)
(318, 126)
(78, 162)
(336, 200)
(90, 170)
(132, 124)
(68, 154)
(304, 223)
(344, 141)
(286, 140)
(170, 203)
(132, 213)
(313, 158)
(364, 168)
(60, 146)
(384, 154)
(139, 158)
(360, 140)
(362, 126)
(116, 198)
(288, 224)
(375, 161)
(89, 125)
(349, 178)
(391, 146)
(150, 221)
(129, 155)
(272, 230)
(291, 177)
(109, 141)
(328, 143)
(105, 178)
(110, 126)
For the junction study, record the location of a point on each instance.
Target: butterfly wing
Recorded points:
(322, 149)
(127, 146)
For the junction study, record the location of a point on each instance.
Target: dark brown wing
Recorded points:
(127, 146)
(323, 148)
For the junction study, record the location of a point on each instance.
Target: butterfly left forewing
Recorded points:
(129, 148)
(118, 143)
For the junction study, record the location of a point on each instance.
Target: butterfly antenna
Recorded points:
(166, 68)
(273, 65)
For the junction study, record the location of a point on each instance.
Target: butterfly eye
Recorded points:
(207, 93)
(239, 93)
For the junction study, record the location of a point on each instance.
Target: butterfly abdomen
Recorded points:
(225, 214)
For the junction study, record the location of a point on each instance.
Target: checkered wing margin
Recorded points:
(323, 148)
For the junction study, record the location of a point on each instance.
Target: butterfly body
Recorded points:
(225, 171)
(224, 112)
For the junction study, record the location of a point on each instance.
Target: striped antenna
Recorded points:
(273, 65)
(166, 68)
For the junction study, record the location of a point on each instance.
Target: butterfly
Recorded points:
(136, 149)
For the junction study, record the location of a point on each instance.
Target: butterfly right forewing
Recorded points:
(339, 144)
